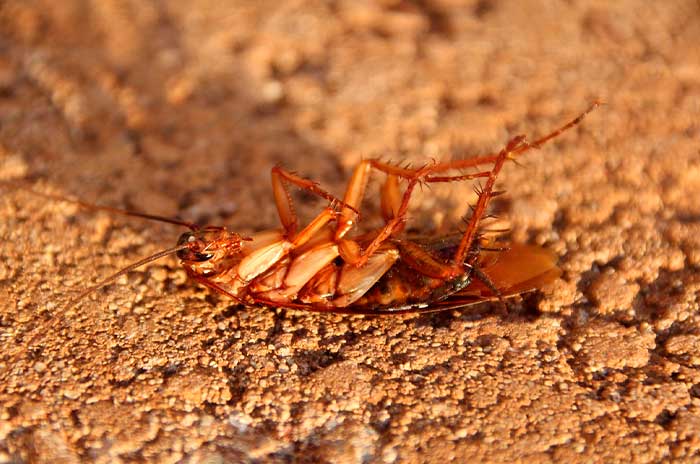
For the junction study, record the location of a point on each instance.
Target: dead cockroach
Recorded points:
(328, 266)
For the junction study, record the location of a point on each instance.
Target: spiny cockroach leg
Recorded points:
(435, 179)
(515, 147)
(394, 204)
(395, 224)
(491, 158)
(391, 197)
(397, 221)
(283, 200)
(355, 192)
(423, 262)
(481, 204)
(542, 140)
(479, 274)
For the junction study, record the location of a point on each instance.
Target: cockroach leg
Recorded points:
(307, 265)
(491, 158)
(213, 285)
(436, 179)
(261, 260)
(398, 222)
(355, 192)
(283, 200)
(395, 212)
(515, 147)
(542, 140)
(393, 226)
(479, 274)
(353, 198)
(422, 262)
(482, 203)
(318, 223)
(390, 197)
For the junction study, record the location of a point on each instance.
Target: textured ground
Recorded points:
(182, 107)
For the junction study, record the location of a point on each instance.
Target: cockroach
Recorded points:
(329, 266)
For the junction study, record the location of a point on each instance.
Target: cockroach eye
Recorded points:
(187, 254)
(187, 237)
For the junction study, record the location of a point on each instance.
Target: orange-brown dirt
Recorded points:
(182, 107)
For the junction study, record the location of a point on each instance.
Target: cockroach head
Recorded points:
(207, 244)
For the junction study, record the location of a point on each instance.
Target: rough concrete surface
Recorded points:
(182, 107)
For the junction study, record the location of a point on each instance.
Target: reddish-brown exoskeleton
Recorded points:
(327, 265)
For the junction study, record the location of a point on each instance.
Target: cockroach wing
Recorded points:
(519, 269)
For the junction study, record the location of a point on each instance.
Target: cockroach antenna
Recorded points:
(151, 217)
(123, 271)
(109, 209)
